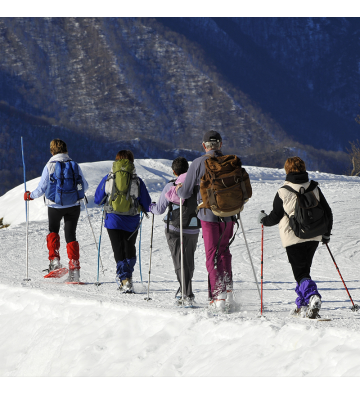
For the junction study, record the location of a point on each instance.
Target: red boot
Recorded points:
(53, 245)
(74, 264)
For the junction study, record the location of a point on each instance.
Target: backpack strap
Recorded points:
(170, 209)
(310, 188)
(168, 217)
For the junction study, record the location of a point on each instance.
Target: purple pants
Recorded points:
(220, 279)
(305, 290)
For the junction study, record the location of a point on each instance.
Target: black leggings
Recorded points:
(71, 217)
(300, 257)
(122, 247)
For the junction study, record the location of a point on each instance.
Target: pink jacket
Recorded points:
(171, 195)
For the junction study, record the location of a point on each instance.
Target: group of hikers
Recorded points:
(212, 192)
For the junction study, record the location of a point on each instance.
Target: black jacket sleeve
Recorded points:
(276, 214)
(328, 211)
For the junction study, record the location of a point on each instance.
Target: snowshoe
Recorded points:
(56, 273)
(188, 301)
(74, 277)
(299, 311)
(126, 286)
(314, 307)
(218, 304)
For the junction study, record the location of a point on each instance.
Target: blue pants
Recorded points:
(124, 251)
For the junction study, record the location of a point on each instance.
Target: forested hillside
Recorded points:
(155, 85)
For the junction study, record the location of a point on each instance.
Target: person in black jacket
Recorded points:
(300, 251)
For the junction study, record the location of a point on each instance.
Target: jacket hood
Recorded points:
(59, 158)
(298, 178)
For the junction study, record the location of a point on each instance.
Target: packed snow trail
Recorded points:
(52, 329)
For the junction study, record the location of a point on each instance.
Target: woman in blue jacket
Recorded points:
(122, 227)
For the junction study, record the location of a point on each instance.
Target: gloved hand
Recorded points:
(261, 216)
(27, 196)
(325, 239)
(151, 206)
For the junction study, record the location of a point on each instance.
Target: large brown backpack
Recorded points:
(225, 186)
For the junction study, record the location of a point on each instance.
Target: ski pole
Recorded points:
(262, 263)
(181, 254)
(355, 306)
(256, 281)
(140, 246)
(151, 241)
(98, 266)
(97, 247)
(27, 208)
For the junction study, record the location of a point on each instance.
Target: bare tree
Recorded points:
(354, 153)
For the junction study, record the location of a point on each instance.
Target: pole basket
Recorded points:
(355, 308)
(147, 299)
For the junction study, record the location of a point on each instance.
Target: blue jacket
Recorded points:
(124, 222)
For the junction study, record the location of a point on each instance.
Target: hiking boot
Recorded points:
(299, 311)
(314, 307)
(127, 286)
(218, 303)
(188, 301)
(70, 278)
(230, 301)
(54, 264)
(74, 276)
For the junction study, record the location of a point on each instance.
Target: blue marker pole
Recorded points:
(27, 217)
(140, 245)
(23, 158)
(98, 266)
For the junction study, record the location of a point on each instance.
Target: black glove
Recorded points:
(325, 239)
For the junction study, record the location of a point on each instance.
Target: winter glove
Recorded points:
(151, 206)
(27, 196)
(261, 216)
(325, 239)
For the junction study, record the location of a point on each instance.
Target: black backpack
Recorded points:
(188, 212)
(309, 219)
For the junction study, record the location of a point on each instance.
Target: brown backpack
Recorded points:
(225, 186)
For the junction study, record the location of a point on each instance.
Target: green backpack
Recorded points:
(123, 188)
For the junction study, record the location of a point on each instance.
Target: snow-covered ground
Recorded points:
(52, 329)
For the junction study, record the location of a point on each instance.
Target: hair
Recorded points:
(58, 146)
(212, 145)
(125, 154)
(180, 165)
(294, 165)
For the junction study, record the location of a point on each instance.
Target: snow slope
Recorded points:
(52, 329)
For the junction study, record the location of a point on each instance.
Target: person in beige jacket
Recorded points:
(300, 252)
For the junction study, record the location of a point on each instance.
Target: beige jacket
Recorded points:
(287, 235)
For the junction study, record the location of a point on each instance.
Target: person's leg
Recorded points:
(189, 247)
(173, 240)
(225, 256)
(190, 244)
(300, 257)
(53, 238)
(130, 253)
(71, 218)
(118, 247)
(308, 287)
(211, 234)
